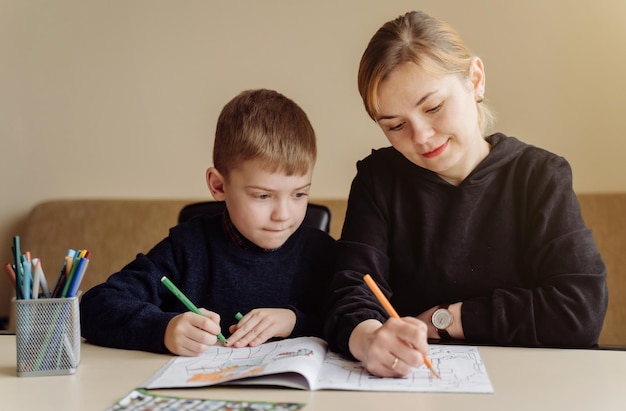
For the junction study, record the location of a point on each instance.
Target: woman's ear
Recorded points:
(477, 77)
(215, 182)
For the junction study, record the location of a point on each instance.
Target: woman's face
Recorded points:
(433, 120)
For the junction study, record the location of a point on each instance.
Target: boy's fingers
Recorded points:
(204, 323)
(246, 333)
(215, 317)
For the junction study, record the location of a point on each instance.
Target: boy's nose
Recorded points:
(281, 211)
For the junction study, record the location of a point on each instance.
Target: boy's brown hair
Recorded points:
(265, 125)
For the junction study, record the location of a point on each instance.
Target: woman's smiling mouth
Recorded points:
(437, 151)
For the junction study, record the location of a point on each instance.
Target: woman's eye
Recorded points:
(435, 109)
(263, 196)
(397, 127)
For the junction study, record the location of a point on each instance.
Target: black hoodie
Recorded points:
(509, 242)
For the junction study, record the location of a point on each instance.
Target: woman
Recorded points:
(473, 238)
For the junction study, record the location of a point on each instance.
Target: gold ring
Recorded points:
(395, 362)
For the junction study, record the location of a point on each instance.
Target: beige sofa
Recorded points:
(115, 230)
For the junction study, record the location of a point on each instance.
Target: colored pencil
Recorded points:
(183, 298)
(392, 313)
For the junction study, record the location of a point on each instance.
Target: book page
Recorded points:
(304, 363)
(460, 367)
(292, 363)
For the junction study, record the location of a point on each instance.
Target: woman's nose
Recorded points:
(421, 131)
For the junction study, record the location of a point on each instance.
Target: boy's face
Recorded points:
(265, 207)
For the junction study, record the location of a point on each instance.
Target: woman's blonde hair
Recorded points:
(265, 125)
(421, 39)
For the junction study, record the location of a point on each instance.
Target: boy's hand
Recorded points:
(261, 324)
(189, 334)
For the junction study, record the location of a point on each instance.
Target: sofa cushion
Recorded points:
(605, 214)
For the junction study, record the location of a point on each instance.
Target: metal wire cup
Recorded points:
(47, 333)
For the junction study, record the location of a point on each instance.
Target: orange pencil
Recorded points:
(392, 313)
(8, 268)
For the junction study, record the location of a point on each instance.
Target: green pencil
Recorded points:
(183, 298)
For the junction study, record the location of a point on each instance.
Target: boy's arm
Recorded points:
(306, 324)
(124, 312)
(132, 308)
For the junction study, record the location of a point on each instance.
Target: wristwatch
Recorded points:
(442, 319)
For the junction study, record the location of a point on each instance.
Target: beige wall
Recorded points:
(119, 98)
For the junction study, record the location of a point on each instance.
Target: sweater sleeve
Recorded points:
(361, 250)
(564, 298)
(124, 312)
(308, 300)
(132, 308)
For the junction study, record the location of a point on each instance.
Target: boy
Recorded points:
(256, 258)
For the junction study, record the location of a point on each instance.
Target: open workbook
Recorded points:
(306, 363)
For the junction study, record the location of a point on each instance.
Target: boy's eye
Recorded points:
(262, 196)
(300, 195)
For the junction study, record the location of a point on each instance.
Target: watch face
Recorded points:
(442, 318)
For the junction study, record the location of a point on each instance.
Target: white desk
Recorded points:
(523, 379)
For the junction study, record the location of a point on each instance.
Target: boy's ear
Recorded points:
(215, 182)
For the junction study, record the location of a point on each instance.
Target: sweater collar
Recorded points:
(238, 239)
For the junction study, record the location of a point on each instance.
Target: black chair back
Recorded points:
(317, 215)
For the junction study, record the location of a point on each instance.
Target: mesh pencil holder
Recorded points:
(47, 332)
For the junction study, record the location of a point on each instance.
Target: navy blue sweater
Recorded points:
(132, 308)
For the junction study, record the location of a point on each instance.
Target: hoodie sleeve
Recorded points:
(565, 297)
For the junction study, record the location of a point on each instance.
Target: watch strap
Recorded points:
(443, 335)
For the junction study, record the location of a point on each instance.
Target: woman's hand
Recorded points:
(189, 334)
(391, 349)
(261, 324)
